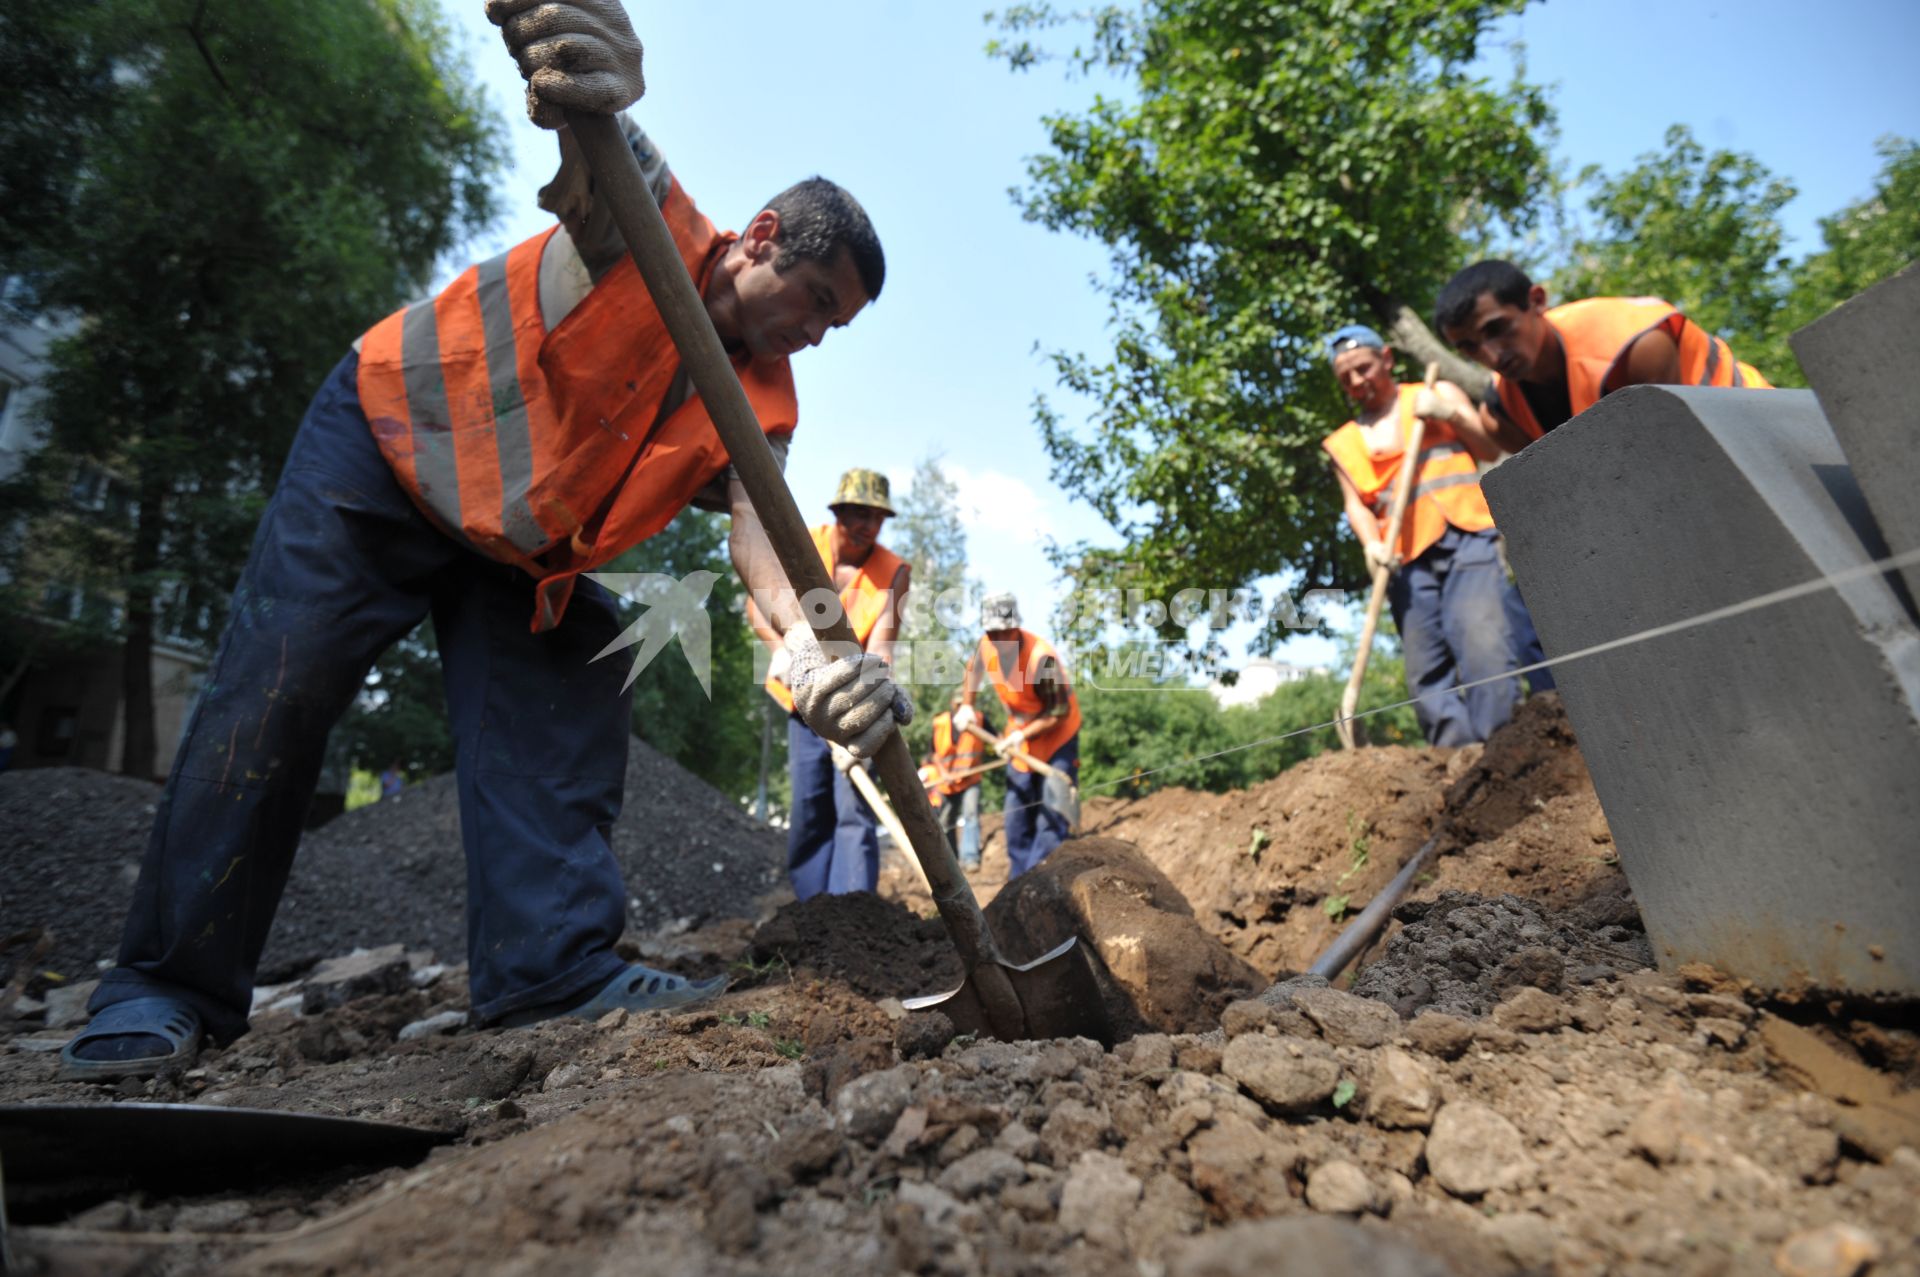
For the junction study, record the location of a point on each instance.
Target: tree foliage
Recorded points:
(1140, 733)
(1701, 229)
(1865, 242)
(1275, 171)
(222, 194)
(942, 611)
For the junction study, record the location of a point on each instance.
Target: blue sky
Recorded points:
(896, 100)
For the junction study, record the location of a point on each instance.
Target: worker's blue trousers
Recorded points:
(1453, 611)
(343, 566)
(1033, 829)
(832, 844)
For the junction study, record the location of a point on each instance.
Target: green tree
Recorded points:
(1701, 229)
(1865, 242)
(1144, 729)
(1276, 171)
(941, 614)
(222, 194)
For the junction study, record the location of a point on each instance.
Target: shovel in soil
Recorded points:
(1055, 995)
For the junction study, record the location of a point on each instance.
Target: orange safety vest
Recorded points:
(866, 598)
(1446, 488)
(1023, 701)
(929, 774)
(545, 449)
(1596, 333)
(951, 755)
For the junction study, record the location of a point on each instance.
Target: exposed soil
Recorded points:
(1520, 1096)
(1275, 870)
(71, 842)
(877, 946)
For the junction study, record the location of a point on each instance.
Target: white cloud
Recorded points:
(993, 503)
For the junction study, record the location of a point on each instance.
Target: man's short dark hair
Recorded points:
(818, 218)
(1507, 282)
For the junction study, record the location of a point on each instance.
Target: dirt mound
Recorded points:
(1462, 954)
(70, 847)
(71, 842)
(1167, 973)
(1274, 871)
(875, 945)
(394, 871)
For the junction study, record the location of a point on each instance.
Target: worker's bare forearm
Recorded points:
(1467, 422)
(1364, 524)
(772, 607)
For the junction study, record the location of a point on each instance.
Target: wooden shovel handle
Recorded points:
(620, 184)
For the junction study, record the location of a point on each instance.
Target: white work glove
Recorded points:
(1427, 403)
(578, 55)
(780, 665)
(963, 718)
(1379, 556)
(851, 701)
(1011, 741)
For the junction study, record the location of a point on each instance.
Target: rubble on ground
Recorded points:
(1507, 1089)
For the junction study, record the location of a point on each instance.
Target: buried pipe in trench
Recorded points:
(1368, 923)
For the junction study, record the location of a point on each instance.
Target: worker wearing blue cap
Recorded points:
(1459, 618)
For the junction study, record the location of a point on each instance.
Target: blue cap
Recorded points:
(1353, 335)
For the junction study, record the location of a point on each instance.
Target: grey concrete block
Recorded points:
(1758, 772)
(1859, 361)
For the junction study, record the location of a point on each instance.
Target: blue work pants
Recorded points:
(960, 818)
(1032, 827)
(343, 565)
(1451, 607)
(832, 844)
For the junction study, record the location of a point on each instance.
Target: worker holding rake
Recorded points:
(1451, 600)
(474, 458)
(1042, 741)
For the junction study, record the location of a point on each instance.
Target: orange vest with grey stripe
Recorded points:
(547, 448)
(952, 756)
(1596, 334)
(866, 598)
(1446, 487)
(1016, 691)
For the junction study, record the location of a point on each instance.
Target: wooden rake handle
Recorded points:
(1402, 488)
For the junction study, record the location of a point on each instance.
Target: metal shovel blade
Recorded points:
(172, 1145)
(1059, 995)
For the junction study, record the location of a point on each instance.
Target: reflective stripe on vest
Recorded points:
(1596, 334)
(864, 599)
(1023, 703)
(550, 449)
(1446, 488)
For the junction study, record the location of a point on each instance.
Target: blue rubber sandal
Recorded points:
(635, 989)
(169, 1022)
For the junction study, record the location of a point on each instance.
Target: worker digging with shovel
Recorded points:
(472, 458)
(832, 844)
